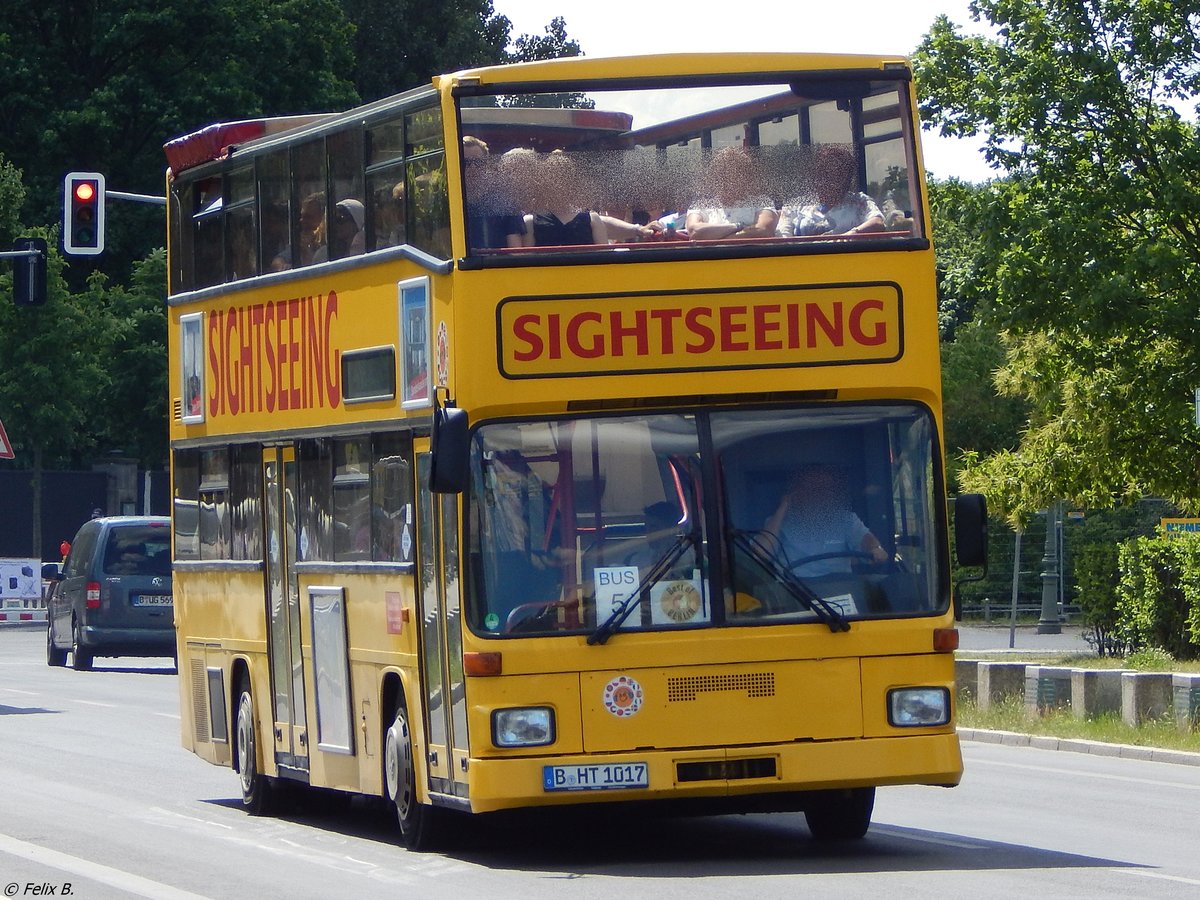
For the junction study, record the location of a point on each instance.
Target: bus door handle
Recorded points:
(433, 757)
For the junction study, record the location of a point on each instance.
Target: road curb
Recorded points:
(1077, 745)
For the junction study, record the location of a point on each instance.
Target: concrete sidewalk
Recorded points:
(1025, 639)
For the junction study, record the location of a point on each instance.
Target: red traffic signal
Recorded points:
(83, 213)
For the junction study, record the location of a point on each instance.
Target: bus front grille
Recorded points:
(726, 769)
(754, 684)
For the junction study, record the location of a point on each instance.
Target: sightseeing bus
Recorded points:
(567, 433)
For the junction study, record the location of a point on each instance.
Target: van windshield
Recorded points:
(138, 550)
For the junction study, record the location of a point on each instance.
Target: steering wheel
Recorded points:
(836, 554)
(536, 616)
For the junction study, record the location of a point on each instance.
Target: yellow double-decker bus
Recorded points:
(567, 433)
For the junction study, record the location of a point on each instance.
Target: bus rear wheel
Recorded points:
(256, 787)
(418, 822)
(840, 815)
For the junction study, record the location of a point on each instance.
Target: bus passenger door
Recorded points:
(441, 601)
(283, 604)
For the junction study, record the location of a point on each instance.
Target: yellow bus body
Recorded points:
(732, 715)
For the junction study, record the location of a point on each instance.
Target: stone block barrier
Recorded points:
(1047, 688)
(998, 681)
(1186, 689)
(1137, 697)
(966, 677)
(1095, 692)
(1146, 696)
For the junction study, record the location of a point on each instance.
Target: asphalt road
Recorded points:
(97, 794)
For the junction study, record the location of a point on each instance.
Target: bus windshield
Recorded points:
(797, 161)
(794, 516)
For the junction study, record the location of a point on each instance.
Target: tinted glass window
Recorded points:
(138, 550)
(81, 551)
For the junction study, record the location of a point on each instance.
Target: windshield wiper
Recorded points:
(660, 568)
(824, 610)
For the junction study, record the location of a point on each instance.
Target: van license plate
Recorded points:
(152, 600)
(603, 777)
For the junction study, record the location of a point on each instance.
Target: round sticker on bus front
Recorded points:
(622, 696)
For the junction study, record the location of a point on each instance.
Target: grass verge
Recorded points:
(1010, 715)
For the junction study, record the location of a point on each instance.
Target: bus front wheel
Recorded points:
(840, 815)
(256, 787)
(417, 821)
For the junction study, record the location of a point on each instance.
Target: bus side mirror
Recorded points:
(971, 529)
(449, 447)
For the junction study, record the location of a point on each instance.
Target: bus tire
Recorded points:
(55, 656)
(81, 657)
(256, 787)
(840, 815)
(418, 822)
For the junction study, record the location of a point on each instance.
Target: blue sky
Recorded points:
(841, 26)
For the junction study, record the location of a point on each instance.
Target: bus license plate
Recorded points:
(151, 599)
(603, 777)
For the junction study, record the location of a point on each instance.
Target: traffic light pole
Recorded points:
(29, 271)
(137, 198)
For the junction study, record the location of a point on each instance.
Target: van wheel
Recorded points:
(81, 657)
(843, 815)
(418, 823)
(256, 787)
(55, 656)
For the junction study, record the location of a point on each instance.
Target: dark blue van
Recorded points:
(114, 595)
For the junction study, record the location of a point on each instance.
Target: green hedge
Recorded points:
(1158, 596)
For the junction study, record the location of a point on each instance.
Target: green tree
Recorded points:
(52, 375)
(400, 44)
(1091, 241)
(135, 420)
(101, 86)
(977, 419)
(553, 44)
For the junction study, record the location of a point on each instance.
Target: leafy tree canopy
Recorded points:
(101, 86)
(399, 44)
(1090, 242)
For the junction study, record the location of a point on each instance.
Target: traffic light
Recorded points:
(83, 213)
(29, 273)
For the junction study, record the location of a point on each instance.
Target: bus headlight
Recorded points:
(918, 707)
(530, 726)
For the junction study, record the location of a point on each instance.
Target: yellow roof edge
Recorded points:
(588, 67)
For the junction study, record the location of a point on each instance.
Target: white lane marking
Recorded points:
(1055, 770)
(124, 881)
(1142, 873)
(924, 839)
(95, 703)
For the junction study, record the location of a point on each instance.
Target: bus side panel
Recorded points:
(373, 644)
(201, 600)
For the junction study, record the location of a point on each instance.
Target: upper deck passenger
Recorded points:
(731, 206)
(833, 207)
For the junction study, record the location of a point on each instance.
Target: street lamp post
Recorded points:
(1050, 623)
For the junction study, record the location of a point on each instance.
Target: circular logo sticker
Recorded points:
(680, 602)
(622, 696)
